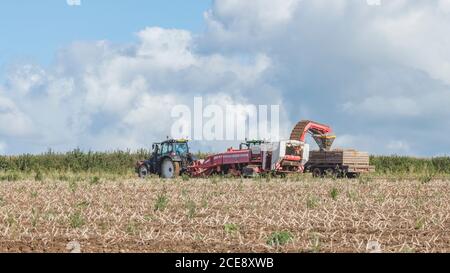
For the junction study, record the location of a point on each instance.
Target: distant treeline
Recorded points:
(123, 162)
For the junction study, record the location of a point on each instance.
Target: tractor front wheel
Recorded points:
(170, 169)
(143, 171)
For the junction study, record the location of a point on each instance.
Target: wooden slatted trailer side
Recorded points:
(340, 163)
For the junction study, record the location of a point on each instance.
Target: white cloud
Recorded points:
(379, 107)
(100, 96)
(166, 48)
(251, 14)
(23, 79)
(13, 122)
(377, 72)
(418, 38)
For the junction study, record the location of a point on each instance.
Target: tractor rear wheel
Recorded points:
(170, 169)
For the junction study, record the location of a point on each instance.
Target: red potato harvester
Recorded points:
(259, 157)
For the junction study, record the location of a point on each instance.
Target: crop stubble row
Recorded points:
(121, 216)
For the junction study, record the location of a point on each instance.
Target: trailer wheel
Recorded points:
(353, 175)
(317, 172)
(330, 173)
(340, 174)
(143, 171)
(170, 169)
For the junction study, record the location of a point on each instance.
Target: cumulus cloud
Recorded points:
(102, 96)
(379, 107)
(378, 74)
(13, 122)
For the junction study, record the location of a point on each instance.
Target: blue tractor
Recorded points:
(169, 159)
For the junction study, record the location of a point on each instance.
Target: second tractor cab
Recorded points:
(249, 144)
(169, 159)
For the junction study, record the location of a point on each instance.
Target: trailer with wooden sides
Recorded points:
(340, 163)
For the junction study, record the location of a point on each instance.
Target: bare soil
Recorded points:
(191, 216)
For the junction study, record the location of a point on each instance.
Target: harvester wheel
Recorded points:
(170, 169)
(143, 171)
(317, 172)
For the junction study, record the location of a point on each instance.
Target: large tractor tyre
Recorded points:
(170, 169)
(143, 171)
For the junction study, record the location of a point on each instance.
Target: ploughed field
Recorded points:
(298, 214)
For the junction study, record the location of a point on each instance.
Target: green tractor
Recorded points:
(169, 159)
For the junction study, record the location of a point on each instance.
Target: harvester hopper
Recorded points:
(325, 142)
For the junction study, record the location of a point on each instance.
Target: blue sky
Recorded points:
(35, 30)
(105, 75)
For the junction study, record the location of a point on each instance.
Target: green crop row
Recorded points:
(117, 162)
(410, 165)
(123, 162)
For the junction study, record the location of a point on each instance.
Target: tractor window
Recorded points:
(181, 148)
(166, 149)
